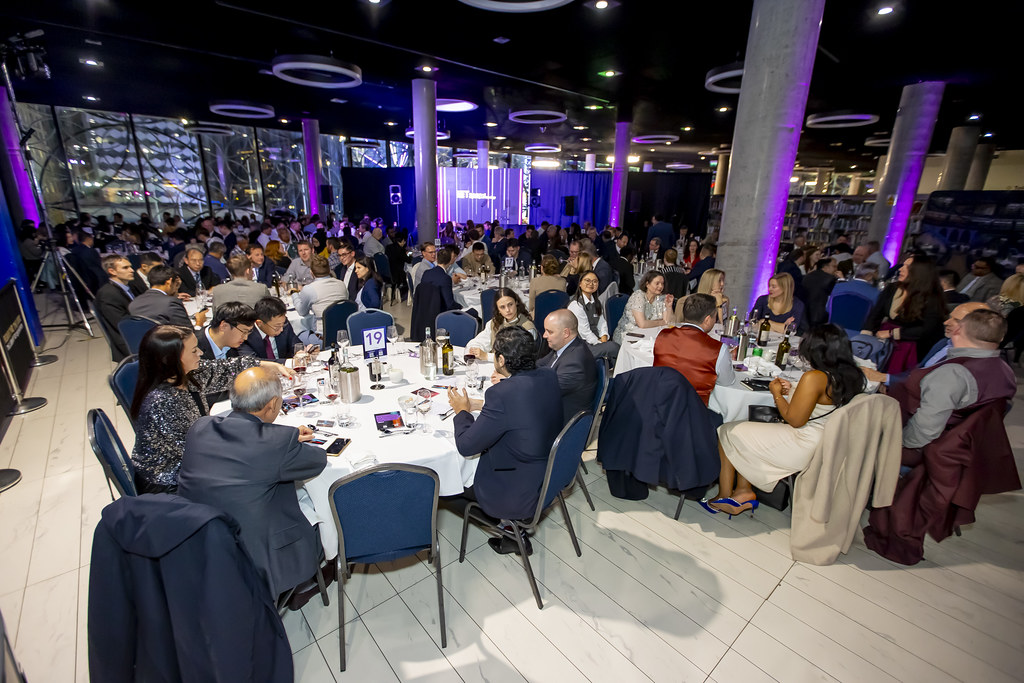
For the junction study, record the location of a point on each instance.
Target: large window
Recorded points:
(364, 156)
(48, 161)
(332, 155)
(171, 167)
(401, 154)
(281, 163)
(232, 171)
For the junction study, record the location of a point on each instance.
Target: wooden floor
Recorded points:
(701, 599)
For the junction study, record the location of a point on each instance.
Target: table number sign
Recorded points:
(375, 342)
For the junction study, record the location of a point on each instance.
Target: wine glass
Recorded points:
(312, 388)
(393, 337)
(423, 406)
(343, 340)
(472, 374)
(299, 358)
(407, 406)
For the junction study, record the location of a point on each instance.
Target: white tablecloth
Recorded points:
(435, 450)
(468, 293)
(194, 306)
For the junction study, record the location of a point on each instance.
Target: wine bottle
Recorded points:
(732, 326)
(428, 356)
(448, 357)
(782, 355)
(277, 285)
(763, 332)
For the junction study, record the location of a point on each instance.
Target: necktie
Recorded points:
(270, 347)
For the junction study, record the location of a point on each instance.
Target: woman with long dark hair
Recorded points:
(911, 312)
(509, 310)
(592, 321)
(370, 284)
(760, 454)
(691, 255)
(170, 395)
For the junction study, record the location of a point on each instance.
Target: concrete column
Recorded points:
(314, 164)
(424, 123)
(648, 166)
(781, 46)
(979, 167)
(824, 180)
(591, 162)
(911, 136)
(959, 155)
(620, 170)
(17, 182)
(721, 174)
(483, 162)
(880, 171)
(855, 185)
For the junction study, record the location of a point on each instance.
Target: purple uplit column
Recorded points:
(620, 170)
(23, 204)
(781, 45)
(314, 163)
(424, 124)
(911, 136)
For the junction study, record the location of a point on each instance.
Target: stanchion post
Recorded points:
(22, 405)
(37, 360)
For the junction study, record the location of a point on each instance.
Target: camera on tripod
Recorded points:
(25, 56)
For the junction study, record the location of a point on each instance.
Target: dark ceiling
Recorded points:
(172, 59)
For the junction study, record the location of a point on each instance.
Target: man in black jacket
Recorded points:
(192, 271)
(622, 264)
(113, 299)
(87, 260)
(272, 336)
(245, 465)
(572, 361)
(160, 302)
(818, 286)
(263, 269)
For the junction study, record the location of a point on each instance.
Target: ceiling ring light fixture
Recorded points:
(209, 129)
(655, 139)
(441, 134)
(242, 110)
(678, 166)
(878, 141)
(840, 119)
(543, 147)
(515, 6)
(539, 117)
(464, 155)
(316, 71)
(725, 79)
(454, 105)
(357, 144)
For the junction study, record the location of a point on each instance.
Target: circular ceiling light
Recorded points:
(515, 6)
(464, 155)
(678, 166)
(453, 105)
(242, 110)
(840, 119)
(725, 79)
(540, 117)
(209, 129)
(655, 139)
(543, 147)
(359, 144)
(316, 71)
(878, 141)
(441, 134)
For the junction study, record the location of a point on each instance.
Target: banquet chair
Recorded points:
(380, 262)
(113, 456)
(611, 291)
(365, 320)
(599, 396)
(409, 282)
(677, 284)
(562, 470)
(461, 326)
(487, 304)
(133, 329)
(546, 302)
(849, 310)
(108, 334)
(614, 309)
(336, 318)
(385, 513)
(122, 382)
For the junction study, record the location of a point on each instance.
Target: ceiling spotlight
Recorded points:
(284, 121)
(601, 4)
(426, 68)
(90, 62)
(652, 149)
(593, 107)
(974, 117)
(722, 110)
(987, 135)
(853, 166)
(90, 98)
(668, 143)
(390, 123)
(184, 121)
(316, 71)
(454, 105)
(579, 127)
(586, 149)
(794, 179)
(609, 73)
(506, 147)
(491, 124)
(586, 139)
(338, 100)
(501, 40)
(882, 11)
(500, 137)
(687, 129)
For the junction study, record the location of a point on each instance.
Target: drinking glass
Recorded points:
(423, 406)
(472, 375)
(407, 406)
(299, 358)
(343, 340)
(393, 337)
(312, 387)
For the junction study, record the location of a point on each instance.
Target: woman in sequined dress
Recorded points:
(170, 396)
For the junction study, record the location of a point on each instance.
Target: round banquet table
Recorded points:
(195, 305)
(468, 293)
(435, 450)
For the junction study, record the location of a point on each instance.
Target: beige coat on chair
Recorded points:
(862, 442)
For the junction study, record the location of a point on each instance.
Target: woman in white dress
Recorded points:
(760, 454)
(647, 306)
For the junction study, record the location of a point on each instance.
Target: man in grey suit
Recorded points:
(160, 302)
(982, 284)
(241, 287)
(243, 464)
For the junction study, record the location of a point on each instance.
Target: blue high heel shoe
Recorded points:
(703, 502)
(729, 501)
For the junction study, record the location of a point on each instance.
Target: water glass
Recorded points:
(343, 413)
(343, 340)
(393, 337)
(407, 406)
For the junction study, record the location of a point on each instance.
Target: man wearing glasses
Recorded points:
(272, 337)
(231, 325)
(429, 252)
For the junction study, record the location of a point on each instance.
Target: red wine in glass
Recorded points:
(331, 396)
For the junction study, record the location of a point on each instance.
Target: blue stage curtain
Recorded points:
(592, 190)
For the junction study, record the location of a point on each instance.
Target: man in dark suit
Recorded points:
(439, 278)
(113, 299)
(950, 280)
(663, 231)
(247, 466)
(89, 265)
(818, 286)
(160, 302)
(346, 270)
(272, 336)
(192, 271)
(572, 361)
(706, 263)
(520, 257)
(604, 271)
(622, 264)
(263, 268)
(231, 325)
(140, 282)
(517, 425)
